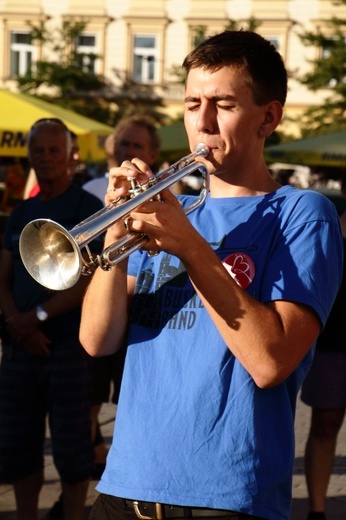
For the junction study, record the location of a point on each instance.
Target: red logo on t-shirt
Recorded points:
(241, 267)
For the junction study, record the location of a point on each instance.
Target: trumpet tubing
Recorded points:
(53, 255)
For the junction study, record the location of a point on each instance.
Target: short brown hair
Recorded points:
(245, 50)
(144, 121)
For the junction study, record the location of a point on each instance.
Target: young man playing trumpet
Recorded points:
(219, 342)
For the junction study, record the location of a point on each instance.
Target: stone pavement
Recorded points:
(336, 502)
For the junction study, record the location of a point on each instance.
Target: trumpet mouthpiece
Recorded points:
(202, 150)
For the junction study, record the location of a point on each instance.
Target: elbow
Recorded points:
(99, 346)
(270, 376)
(265, 383)
(89, 343)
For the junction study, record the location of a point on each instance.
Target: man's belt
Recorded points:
(155, 511)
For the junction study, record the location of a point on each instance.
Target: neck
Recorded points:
(228, 187)
(241, 175)
(50, 190)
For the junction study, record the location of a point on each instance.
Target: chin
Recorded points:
(211, 166)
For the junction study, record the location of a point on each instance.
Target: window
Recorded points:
(86, 49)
(331, 45)
(145, 62)
(199, 35)
(21, 53)
(274, 40)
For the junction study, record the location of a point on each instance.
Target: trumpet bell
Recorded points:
(50, 254)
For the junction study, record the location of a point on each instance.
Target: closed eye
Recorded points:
(225, 107)
(192, 106)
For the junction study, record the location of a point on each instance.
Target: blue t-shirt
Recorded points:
(192, 427)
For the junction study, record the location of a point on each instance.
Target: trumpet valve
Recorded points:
(137, 187)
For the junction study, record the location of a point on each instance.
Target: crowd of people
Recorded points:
(53, 172)
(211, 351)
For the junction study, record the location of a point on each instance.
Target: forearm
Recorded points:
(8, 306)
(269, 339)
(105, 311)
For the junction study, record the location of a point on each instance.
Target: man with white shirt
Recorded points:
(134, 136)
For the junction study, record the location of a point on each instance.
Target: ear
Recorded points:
(272, 117)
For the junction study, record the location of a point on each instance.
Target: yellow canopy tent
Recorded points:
(321, 150)
(19, 111)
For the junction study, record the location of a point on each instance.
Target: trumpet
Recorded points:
(52, 255)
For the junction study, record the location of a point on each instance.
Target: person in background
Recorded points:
(44, 372)
(222, 333)
(32, 187)
(74, 156)
(98, 185)
(324, 390)
(15, 181)
(133, 136)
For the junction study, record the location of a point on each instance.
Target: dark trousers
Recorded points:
(107, 507)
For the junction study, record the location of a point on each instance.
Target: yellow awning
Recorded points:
(321, 150)
(20, 111)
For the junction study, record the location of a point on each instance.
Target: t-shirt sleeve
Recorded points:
(309, 260)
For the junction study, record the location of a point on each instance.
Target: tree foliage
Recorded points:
(68, 81)
(67, 71)
(65, 75)
(200, 33)
(328, 72)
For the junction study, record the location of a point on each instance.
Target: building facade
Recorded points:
(142, 43)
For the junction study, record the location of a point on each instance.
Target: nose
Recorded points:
(131, 149)
(206, 120)
(45, 155)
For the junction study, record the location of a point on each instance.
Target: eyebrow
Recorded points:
(129, 141)
(220, 97)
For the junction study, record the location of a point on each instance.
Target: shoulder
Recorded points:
(84, 197)
(22, 208)
(99, 181)
(97, 187)
(307, 203)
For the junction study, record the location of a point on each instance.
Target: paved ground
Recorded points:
(336, 505)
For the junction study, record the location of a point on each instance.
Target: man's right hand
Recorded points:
(24, 329)
(37, 344)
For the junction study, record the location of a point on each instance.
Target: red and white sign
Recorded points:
(241, 267)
